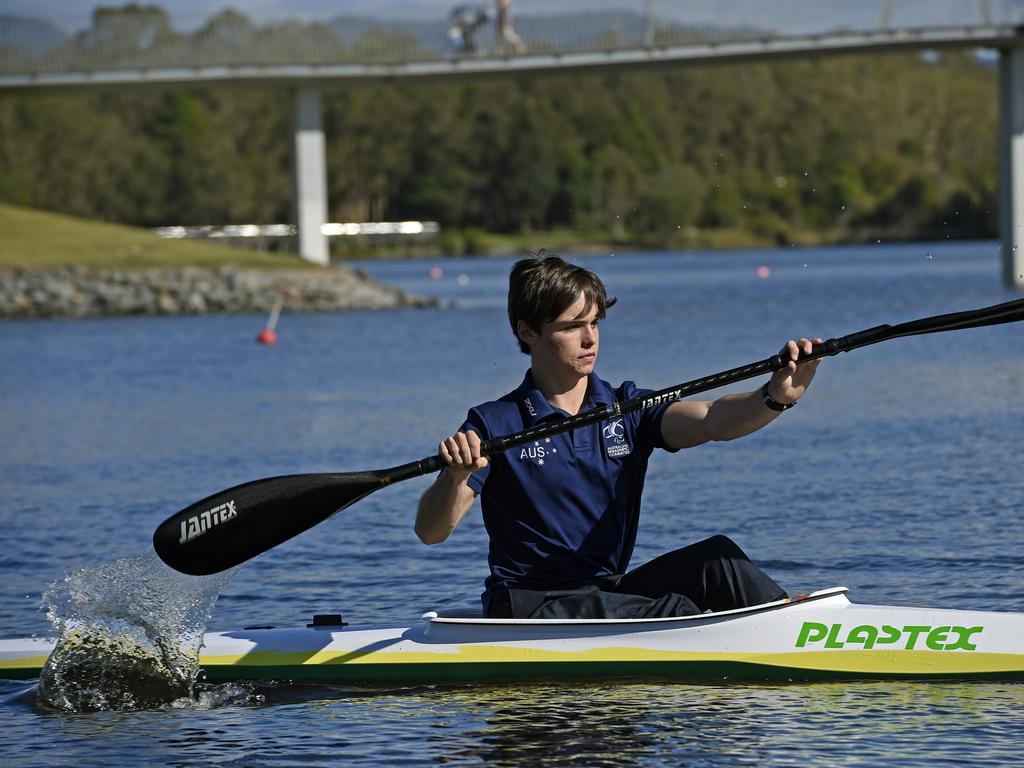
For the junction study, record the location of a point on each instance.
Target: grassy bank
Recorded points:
(40, 240)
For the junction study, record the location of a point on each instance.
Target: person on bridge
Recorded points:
(464, 21)
(562, 514)
(504, 34)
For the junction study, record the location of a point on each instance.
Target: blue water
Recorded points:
(898, 475)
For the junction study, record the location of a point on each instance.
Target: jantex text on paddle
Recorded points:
(195, 526)
(659, 399)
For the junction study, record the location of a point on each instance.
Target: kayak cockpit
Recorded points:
(473, 616)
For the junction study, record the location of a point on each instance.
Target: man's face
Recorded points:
(568, 344)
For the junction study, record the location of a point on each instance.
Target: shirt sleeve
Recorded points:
(649, 419)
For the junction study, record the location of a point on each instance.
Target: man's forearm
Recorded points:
(442, 506)
(735, 416)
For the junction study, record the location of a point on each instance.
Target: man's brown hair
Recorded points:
(542, 287)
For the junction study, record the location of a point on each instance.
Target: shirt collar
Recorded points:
(536, 407)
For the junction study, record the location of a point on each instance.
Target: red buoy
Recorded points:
(267, 336)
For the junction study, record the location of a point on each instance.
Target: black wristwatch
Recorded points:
(775, 405)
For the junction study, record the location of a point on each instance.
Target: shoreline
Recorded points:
(562, 242)
(77, 291)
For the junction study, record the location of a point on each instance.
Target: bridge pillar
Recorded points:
(1011, 164)
(309, 176)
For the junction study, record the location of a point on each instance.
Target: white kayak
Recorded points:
(821, 636)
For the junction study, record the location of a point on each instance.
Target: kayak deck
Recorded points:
(822, 636)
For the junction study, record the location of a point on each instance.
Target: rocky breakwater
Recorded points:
(79, 292)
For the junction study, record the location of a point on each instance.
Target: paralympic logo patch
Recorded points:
(615, 434)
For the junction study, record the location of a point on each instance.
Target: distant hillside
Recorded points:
(29, 35)
(581, 30)
(37, 36)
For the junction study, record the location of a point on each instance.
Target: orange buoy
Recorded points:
(268, 335)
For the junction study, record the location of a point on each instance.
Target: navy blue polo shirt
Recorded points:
(564, 509)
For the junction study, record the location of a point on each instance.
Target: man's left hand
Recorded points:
(789, 383)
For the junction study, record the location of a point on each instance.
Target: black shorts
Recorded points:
(714, 574)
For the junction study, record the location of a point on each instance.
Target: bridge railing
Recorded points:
(143, 37)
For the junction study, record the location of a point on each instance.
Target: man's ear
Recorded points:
(525, 333)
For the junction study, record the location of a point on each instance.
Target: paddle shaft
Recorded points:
(1001, 313)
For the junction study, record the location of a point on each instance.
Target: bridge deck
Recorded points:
(903, 39)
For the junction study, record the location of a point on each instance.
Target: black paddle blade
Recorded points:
(228, 528)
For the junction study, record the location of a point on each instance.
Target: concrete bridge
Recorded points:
(142, 45)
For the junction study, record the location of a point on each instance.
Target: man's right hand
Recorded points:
(461, 452)
(445, 502)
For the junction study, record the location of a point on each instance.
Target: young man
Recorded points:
(562, 514)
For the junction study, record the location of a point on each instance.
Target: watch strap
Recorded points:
(775, 405)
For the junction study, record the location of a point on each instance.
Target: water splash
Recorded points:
(129, 635)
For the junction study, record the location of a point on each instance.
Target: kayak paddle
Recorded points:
(230, 527)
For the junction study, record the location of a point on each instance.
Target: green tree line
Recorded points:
(896, 146)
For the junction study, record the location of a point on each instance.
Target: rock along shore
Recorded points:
(79, 292)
